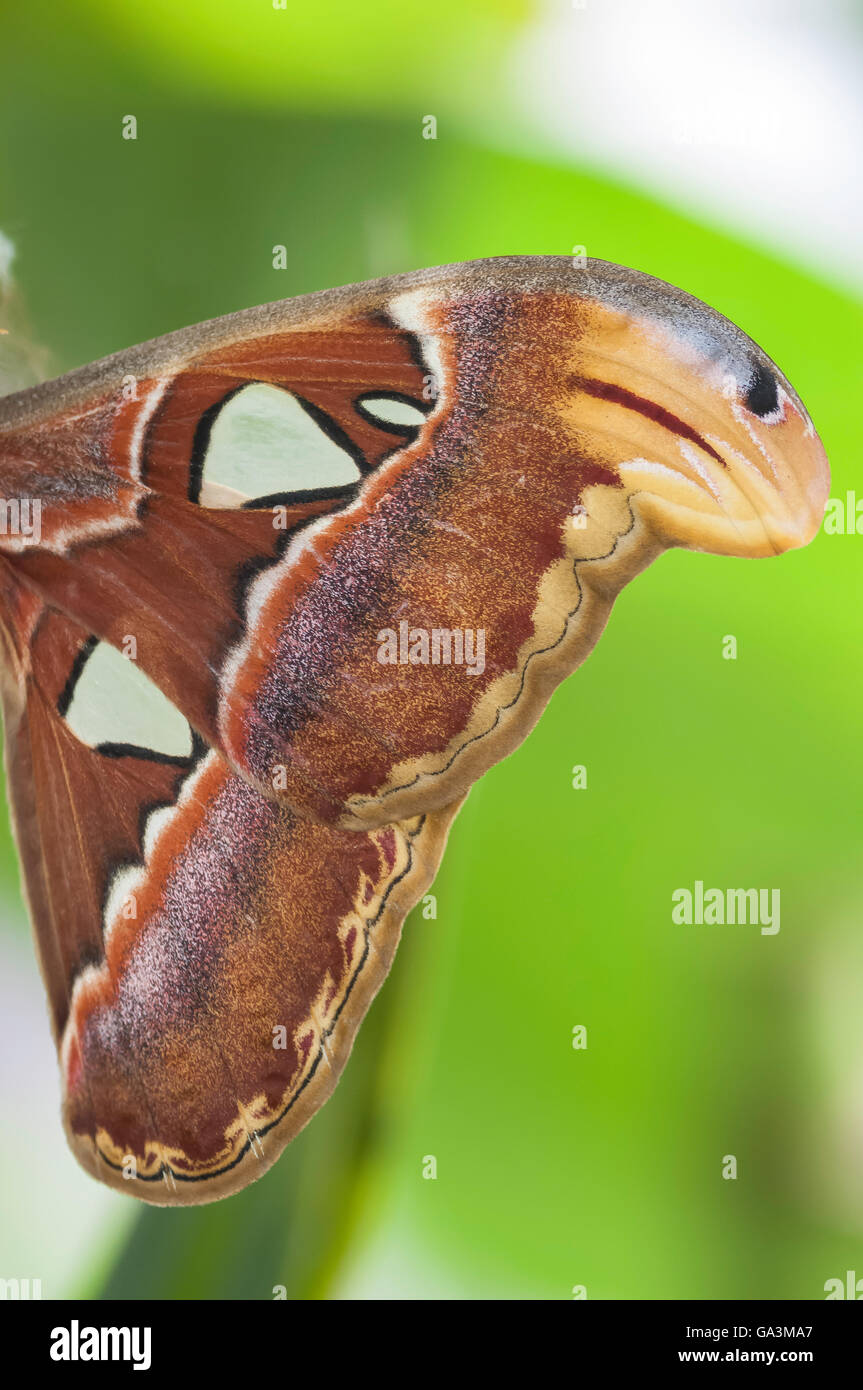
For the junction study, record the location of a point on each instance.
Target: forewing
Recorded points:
(517, 438)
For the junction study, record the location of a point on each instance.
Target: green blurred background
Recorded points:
(556, 1167)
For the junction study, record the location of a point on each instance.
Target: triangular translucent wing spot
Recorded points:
(110, 704)
(392, 411)
(266, 443)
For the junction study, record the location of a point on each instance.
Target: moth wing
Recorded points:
(208, 955)
(524, 438)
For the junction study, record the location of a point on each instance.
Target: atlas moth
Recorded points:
(225, 803)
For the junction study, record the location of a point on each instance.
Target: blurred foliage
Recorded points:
(555, 1167)
(283, 54)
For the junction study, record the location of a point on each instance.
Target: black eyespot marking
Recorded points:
(762, 397)
(78, 665)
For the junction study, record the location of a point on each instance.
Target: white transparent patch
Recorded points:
(115, 703)
(393, 412)
(263, 442)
